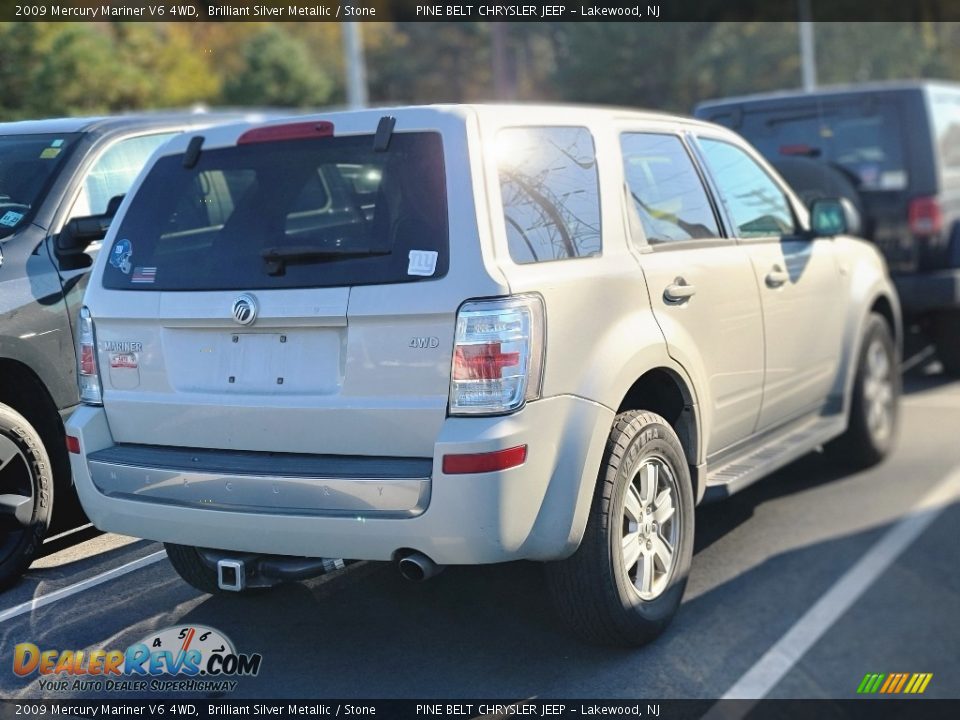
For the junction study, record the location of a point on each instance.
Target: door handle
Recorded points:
(678, 291)
(777, 277)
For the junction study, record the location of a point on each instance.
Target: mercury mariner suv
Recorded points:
(462, 335)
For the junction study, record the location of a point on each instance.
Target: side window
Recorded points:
(756, 204)
(551, 193)
(114, 172)
(667, 193)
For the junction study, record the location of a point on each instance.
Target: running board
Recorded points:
(734, 474)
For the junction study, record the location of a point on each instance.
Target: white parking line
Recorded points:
(66, 592)
(760, 679)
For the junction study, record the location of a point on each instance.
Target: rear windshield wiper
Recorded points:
(277, 258)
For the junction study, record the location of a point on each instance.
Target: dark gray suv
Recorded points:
(893, 149)
(60, 182)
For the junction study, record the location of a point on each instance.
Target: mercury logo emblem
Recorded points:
(245, 309)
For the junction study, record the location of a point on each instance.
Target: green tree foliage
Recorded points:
(78, 68)
(278, 72)
(75, 68)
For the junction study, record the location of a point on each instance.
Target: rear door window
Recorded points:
(550, 191)
(667, 193)
(298, 213)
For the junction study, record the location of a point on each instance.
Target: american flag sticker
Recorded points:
(144, 275)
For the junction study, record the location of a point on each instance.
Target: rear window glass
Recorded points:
(302, 213)
(864, 139)
(550, 191)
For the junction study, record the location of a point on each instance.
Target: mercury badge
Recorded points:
(244, 309)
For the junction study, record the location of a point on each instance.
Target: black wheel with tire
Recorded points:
(874, 403)
(624, 583)
(947, 339)
(815, 179)
(192, 569)
(26, 494)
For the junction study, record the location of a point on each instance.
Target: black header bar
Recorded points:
(560, 709)
(475, 10)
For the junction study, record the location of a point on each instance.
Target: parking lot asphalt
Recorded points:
(763, 560)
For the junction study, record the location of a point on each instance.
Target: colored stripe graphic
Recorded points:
(894, 683)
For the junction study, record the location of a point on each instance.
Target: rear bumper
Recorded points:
(925, 292)
(534, 511)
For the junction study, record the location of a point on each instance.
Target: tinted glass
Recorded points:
(755, 203)
(28, 166)
(667, 192)
(864, 139)
(301, 213)
(114, 172)
(550, 191)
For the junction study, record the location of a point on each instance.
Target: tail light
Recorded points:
(497, 355)
(925, 216)
(88, 377)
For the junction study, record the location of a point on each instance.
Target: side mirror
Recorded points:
(78, 233)
(834, 216)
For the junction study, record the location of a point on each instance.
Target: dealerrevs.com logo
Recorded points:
(179, 658)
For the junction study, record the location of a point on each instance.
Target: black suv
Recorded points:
(893, 149)
(60, 183)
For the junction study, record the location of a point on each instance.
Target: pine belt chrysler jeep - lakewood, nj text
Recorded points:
(457, 335)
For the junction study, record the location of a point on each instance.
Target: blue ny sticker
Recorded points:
(120, 255)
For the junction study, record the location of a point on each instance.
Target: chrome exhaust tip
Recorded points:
(417, 567)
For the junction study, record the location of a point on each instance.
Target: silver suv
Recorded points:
(463, 335)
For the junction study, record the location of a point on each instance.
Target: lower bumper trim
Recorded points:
(311, 496)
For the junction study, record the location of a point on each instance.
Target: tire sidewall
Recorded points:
(16, 428)
(876, 329)
(651, 439)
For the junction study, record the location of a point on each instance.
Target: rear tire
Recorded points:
(618, 588)
(192, 569)
(871, 432)
(26, 476)
(814, 179)
(947, 339)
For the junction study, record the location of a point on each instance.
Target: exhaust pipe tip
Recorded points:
(417, 567)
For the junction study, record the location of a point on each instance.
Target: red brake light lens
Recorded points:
(88, 360)
(482, 362)
(484, 462)
(925, 216)
(290, 131)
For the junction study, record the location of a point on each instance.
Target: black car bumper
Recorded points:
(921, 293)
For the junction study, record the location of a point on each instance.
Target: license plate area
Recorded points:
(303, 361)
